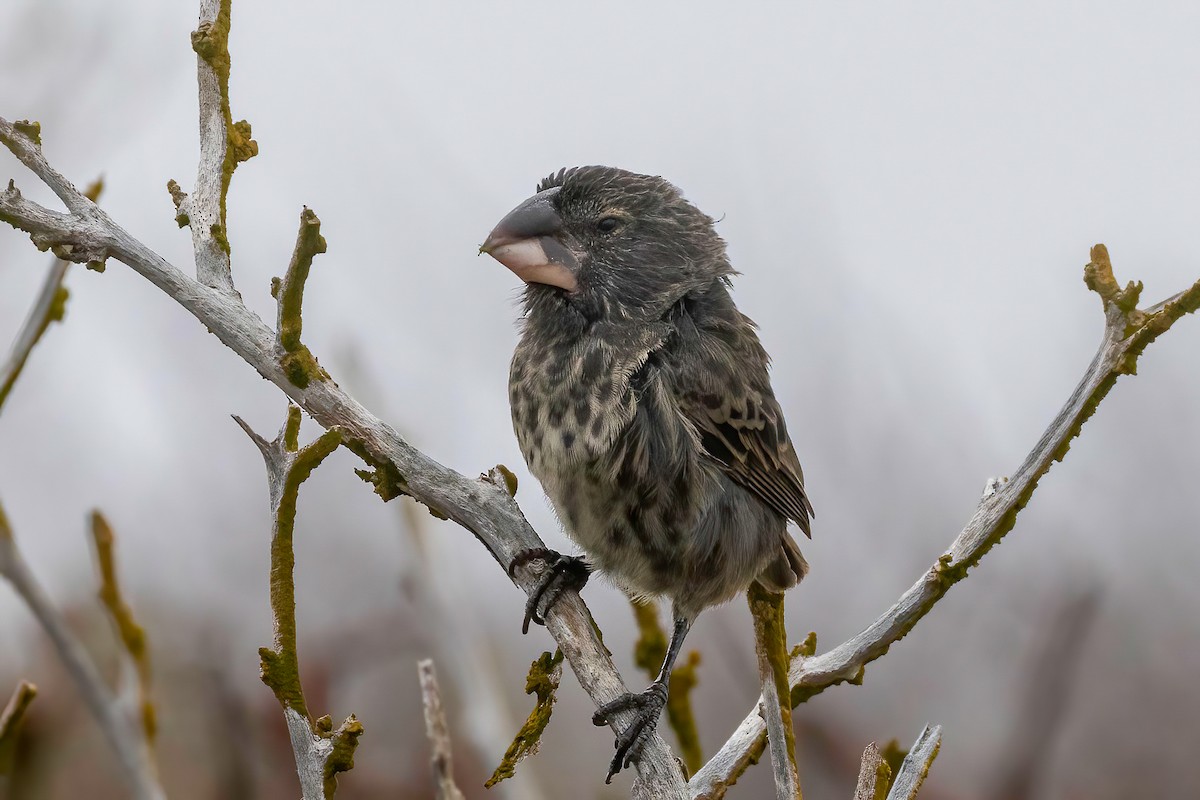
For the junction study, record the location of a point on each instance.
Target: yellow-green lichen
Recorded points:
(131, 634)
(341, 758)
(290, 291)
(767, 609)
(883, 778)
(503, 477)
(178, 197)
(211, 43)
(544, 676)
(10, 724)
(280, 668)
(30, 130)
(301, 367)
(893, 756)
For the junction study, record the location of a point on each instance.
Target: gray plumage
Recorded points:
(641, 399)
(642, 403)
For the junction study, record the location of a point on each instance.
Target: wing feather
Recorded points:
(725, 392)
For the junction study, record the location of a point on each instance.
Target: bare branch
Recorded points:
(223, 145)
(873, 776)
(770, 639)
(320, 751)
(10, 723)
(916, 764)
(49, 307)
(483, 507)
(130, 633)
(438, 733)
(1127, 332)
(124, 736)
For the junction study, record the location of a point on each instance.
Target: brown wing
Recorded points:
(720, 380)
(742, 429)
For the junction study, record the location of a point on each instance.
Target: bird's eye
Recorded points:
(608, 224)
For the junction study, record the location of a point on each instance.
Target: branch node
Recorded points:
(341, 758)
(501, 477)
(180, 199)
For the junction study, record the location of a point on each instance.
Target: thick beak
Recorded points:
(526, 242)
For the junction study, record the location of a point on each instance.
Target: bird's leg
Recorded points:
(648, 704)
(561, 573)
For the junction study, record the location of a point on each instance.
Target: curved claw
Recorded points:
(562, 573)
(631, 741)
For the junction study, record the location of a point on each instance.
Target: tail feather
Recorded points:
(787, 569)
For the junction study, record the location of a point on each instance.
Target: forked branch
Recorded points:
(320, 751)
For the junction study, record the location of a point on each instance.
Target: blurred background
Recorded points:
(910, 192)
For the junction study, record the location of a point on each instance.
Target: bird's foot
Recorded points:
(561, 573)
(631, 741)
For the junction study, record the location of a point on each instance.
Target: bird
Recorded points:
(641, 400)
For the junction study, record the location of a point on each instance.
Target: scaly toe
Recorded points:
(632, 740)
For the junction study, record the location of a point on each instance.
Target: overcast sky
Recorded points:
(910, 191)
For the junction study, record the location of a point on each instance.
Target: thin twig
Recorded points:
(1127, 332)
(320, 751)
(49, 306)
(129, 632)
(122, 734)
(438, 732)
(10, 724)
(288, 291)
(873, 776)
(916, 764)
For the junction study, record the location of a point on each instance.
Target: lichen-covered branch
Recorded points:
(874, 775)
(223, 145)
(10, 724)
(438, 733)
(320, 751)
(916, 764)
(131, 635)
(1127, 332)
(122, 733)
(770, 641)
(295, 357)
(543, 679)
(648, 654)
(50, 306)
(482, 506)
